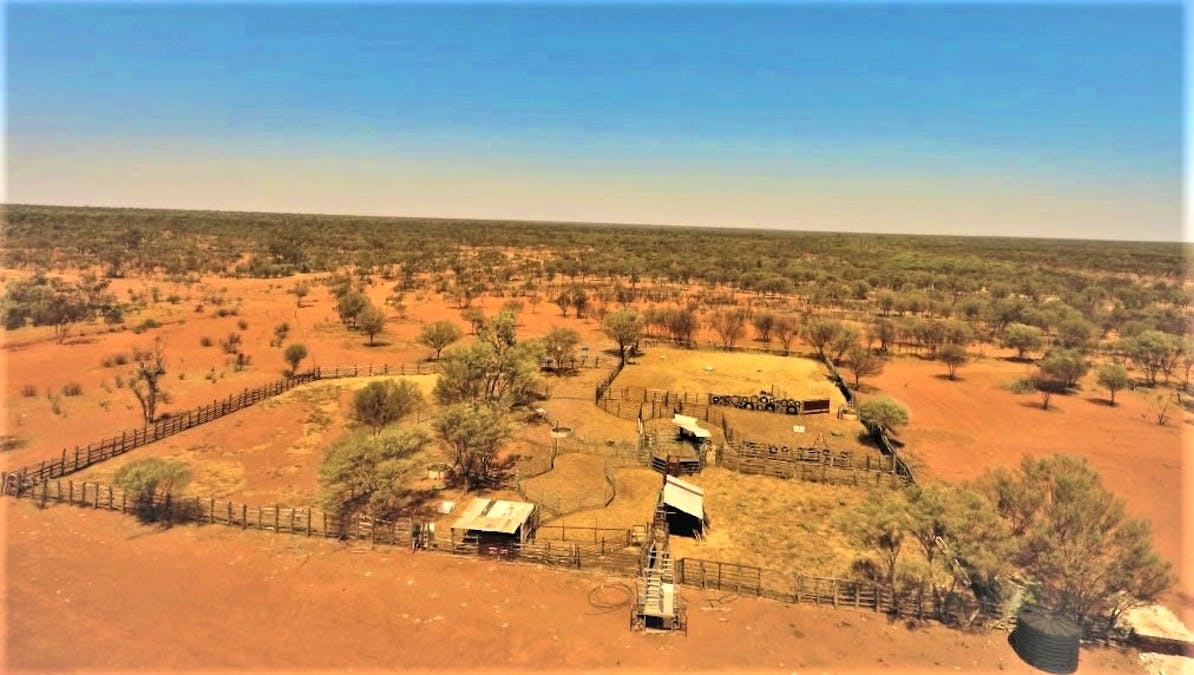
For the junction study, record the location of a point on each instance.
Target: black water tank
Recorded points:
(1047, 641)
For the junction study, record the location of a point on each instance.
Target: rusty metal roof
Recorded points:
(487, 515)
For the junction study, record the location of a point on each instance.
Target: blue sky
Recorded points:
(1030, 119)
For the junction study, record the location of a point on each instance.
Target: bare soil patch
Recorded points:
(249, 601)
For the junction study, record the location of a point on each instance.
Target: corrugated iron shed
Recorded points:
(684, 496)
(487, 515)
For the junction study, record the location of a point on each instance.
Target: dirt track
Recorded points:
(94, 591)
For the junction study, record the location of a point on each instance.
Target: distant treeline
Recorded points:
(933, 275)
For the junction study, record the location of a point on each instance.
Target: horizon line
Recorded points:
(583, 223)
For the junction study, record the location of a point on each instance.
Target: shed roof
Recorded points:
(690, 425)
(684, 496)
(487, 515)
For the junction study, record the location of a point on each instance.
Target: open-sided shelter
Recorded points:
(496, 522)
(685, 506)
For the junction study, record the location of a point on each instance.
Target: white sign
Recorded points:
(798, 429)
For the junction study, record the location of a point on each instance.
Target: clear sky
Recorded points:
(1061, 120)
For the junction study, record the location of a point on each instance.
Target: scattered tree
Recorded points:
(1022, 338)
(880, 525)
(1083, 556)
(1151, 351)
(730, 325)
(371, 321)
(785, 328)
(149, 365)
(475, 433)
(624, 327)
(1159, 404)
(438, 335)
(149, 481)
(863, 363)
(821, 333)
(884, 412)
(953, 356)
(384, 402)
(371, 474)
(1113, 377)
(560, 345)
(294, 354)
(764, 323)
(1065, 365)
(300, 290)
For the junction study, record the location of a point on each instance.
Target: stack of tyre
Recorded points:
(764, 402)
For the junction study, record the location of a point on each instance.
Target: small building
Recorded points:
(496, 522)
(685, 506)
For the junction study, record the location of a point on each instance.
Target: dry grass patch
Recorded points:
(773, 523)
(577, 480)
(764, 427)
(732, 373)
(634, 504)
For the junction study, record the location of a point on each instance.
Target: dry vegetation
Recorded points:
(772, 523)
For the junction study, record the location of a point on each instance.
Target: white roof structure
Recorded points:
(684, 496)
(487, 515)
(689, 424)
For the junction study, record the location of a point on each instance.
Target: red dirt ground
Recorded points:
(959, 429)
(94, 591)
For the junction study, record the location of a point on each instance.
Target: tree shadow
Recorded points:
(1037, 405)
(1098, 400)
(377, 343)
(947, 378)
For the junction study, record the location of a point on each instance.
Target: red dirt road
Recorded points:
(94, 591)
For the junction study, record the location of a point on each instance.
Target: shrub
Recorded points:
(205, 341)
(29, 391)
(72, 389)
(243, 324)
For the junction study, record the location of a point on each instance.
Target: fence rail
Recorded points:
(601, 547)
(69, 462)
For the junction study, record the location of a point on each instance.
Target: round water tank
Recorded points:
(1047, 641)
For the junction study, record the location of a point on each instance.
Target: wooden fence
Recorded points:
(957, 609)
(418, 368)
(601, 547)
(69, 462)
(809, 464)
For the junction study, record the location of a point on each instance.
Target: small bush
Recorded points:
(119, 382)
(120, 359)
(72, 389)
(146, 325)
(174, 298)
(29, 391)
(55, 404)
(205, 341)
(243, 324)
(199, 308)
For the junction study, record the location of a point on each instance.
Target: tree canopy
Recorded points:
(384, 402)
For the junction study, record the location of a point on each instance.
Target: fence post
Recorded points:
(308, 522)
(244, 516)
(230, 521)
(70, 498)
